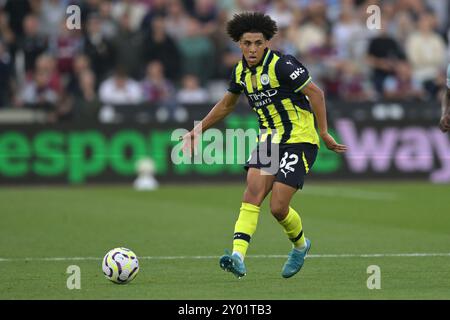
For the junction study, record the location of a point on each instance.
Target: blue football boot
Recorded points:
(233, 263)
(295, 260)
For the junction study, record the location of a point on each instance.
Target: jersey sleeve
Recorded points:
(234, 86)
(292, 73)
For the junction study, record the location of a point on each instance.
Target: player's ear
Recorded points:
(241, 45)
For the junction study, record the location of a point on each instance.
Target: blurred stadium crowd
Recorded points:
(171, 52)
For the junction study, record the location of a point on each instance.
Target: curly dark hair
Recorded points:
(251, 22)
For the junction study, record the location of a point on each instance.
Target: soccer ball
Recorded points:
(120, 265)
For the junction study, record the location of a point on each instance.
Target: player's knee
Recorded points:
(254, 196)
(278, 209)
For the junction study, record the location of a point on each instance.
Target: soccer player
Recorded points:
(444, 124)
(285, 99)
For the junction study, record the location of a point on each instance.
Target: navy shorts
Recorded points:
(289, 164)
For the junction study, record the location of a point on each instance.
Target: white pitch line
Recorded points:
(311, 256)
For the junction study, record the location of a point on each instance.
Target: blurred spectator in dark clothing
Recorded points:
(352, 84)
(6, 72)
(156, 88)
(127, 46)
(205, 12)
(158, 9)
(33, 43)
(191, 92)
(384, 53)
(224, 49)
(47, 64)
(17, 10)
(402, 85)
(7, 35)
(160, 92)
(81, 63)
(413, 7)
(109, 24)
(85, 102)
(159, 46)
(189, 5)
(98, 48)
(89, 8)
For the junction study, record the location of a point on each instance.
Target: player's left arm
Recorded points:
(317, 100)
(296, 76)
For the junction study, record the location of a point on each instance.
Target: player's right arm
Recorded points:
(222, 108)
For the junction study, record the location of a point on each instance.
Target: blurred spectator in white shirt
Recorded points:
(52, 14)
(191, 92)
(39, 94)
(177, 20)
(312, 34)
(136, 12)
(120, 89)
(38, 91)
(426, 52)
(346, 32)
(281, 12)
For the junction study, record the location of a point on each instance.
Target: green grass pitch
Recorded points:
(180, 231)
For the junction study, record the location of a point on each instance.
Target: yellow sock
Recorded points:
(292, 225)
(245, 227)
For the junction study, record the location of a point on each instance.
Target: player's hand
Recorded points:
(444, 124)
(332, 144)
(189, 142)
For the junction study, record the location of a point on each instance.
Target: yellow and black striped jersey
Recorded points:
(273, 89)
